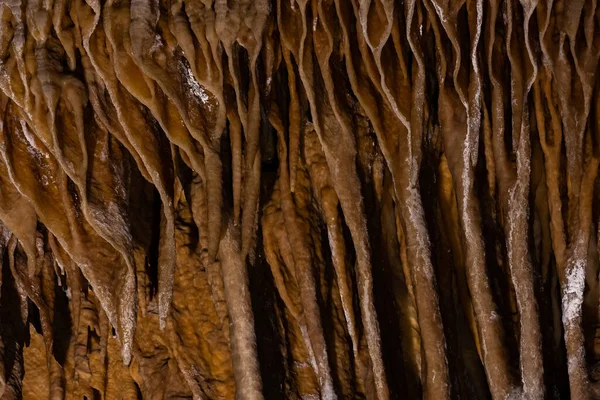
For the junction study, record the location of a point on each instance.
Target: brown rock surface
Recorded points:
(218, 199)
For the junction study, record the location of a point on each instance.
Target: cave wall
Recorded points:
(218, 199)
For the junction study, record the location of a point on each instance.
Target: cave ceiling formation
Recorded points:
(294, 199)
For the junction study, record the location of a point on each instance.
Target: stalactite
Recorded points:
(299, 199)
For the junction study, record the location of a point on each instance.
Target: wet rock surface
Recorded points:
(299, 199)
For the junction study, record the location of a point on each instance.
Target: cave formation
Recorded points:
(293, 199)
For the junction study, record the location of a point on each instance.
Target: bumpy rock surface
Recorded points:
(218, 199)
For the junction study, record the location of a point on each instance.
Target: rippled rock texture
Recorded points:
(218, 199)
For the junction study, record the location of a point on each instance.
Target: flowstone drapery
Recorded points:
(299, 199)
